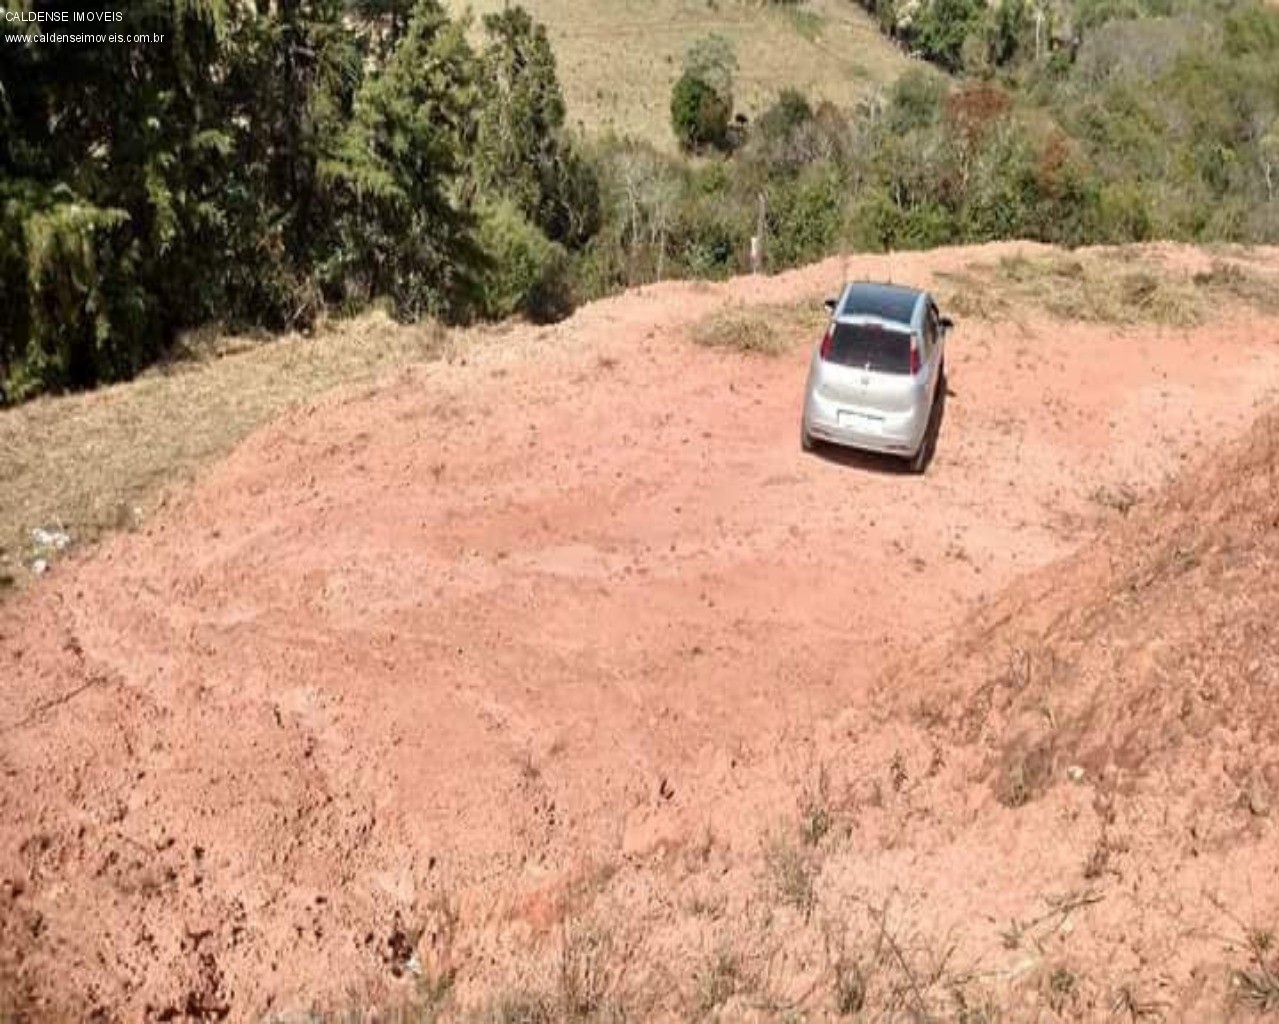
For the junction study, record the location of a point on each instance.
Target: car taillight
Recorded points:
(828, 339)
(914, 354)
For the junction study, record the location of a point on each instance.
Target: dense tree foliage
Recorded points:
(391, 177)
(109, 171)
(262, 164)
(523, 152)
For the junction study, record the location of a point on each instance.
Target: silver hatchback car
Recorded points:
(875, 375)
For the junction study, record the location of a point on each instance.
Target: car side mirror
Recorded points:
(946, 323)
(831, 304)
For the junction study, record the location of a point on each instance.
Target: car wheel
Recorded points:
(918, 462)
(805, 439)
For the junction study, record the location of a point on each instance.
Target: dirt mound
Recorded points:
(555, 678)
(1144, 673)
(1155, 655)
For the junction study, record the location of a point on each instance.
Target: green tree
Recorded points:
(386, 21)
(402, 230)
(942, 26)
(522, 151)
(290, 90)
(108, 182)
(699, 115)
(524, 272)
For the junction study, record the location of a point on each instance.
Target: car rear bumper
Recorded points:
(887, 433)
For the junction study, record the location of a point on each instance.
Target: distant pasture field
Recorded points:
(619, 59)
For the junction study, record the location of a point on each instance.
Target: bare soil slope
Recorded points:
(562, 631)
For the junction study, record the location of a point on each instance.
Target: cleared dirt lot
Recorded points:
(517, 613)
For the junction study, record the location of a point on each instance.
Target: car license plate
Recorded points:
(862, 424)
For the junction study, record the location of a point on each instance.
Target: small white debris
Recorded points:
(50, 540)
(1075, 773)
(413, 965)
(39, 567)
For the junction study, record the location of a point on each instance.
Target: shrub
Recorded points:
(600, 269)
(571, 210)
(791, 135)
(711, 60)
(1124, 213)
(915, 100)
(1068, 194)
(699, 115)
(710, 235)
(1252, 30)
(524, 271)
(942, 27)
(70, 278)
(974, 111)
(805, 217)
(779, 121)
(877, 223)
(1001, 190)
(1008, 29)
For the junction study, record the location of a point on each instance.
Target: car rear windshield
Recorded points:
(871, 346)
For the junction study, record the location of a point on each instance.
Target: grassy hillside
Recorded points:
(618, 59)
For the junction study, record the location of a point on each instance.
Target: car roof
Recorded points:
(892, 302)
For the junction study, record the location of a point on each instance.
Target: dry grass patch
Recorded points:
(1115, 286)
(889, 970)
(969, 295)
(94, 462)
(1099, 291)
(1256, 983)
(1231, 281)
(1119, 499)
(791, 873)
(745, 331)
(760, 330)
(716, 980)
(816, 818)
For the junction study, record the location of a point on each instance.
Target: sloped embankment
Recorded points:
(1065, 812)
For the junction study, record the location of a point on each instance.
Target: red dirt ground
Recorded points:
(555, 609)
